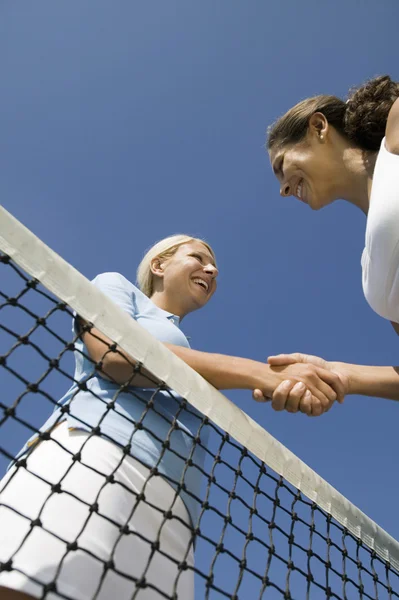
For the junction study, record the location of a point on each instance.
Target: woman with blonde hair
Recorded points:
(324, 149)
(105, 504)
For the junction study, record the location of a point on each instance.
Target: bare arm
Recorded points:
(382, 382)
(392, 129)
(223, 372)
(111, 361)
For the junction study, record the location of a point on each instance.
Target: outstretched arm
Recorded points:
(223, 372)
(365, 380)
(382, 382)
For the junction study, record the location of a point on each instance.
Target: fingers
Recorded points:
(286, 359)
(307, 402)
(281, 393)
(295, 397)
(329, 386)
(324, 370)
(334, 381)
(288, 395)
(324, 393)
(315, 379)
(259, 396)
(316, 408)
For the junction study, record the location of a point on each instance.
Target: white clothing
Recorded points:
(380, 259)
(41, 556)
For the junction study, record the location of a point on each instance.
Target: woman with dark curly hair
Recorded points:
(324, 149)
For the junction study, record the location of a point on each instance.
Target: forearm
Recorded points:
(365, 380)
(227, 372)
(222, 371)
(120, 368)
(113, 363)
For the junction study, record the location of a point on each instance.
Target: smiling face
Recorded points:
(187, 280)
(308, 169)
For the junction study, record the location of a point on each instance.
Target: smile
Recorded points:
(299, 190)
(201, 282)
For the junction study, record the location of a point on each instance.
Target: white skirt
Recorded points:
(92, 555)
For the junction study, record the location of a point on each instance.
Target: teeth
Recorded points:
(201, 282)
(299, 190)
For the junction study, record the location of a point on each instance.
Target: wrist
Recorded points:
(261, 376)
(347, 376)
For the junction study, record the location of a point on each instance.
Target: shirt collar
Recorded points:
(174, 318)
(170, 316)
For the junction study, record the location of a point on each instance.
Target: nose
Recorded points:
(211, 270)
(285, 189)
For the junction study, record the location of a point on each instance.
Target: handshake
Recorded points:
(304, 383)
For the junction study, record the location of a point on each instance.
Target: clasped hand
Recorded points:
(308, 384)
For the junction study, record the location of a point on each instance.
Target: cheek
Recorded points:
(301, 158)
(307, 164)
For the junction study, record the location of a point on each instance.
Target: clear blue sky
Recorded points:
(123, 122)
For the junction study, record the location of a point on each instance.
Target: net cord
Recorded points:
(71, 287)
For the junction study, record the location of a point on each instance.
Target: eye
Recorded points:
(198, 257)
(281, 167)
(278, 167)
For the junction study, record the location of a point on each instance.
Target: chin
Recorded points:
(319, 203)
(202, 304)
(197, 304)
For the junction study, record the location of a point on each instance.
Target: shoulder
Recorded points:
(115, 284)
(392, 129)
(113, 279)
(122, 291)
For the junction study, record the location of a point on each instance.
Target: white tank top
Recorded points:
(380, 259)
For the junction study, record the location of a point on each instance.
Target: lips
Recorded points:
(202, 283)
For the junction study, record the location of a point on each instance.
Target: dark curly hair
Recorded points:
(362, 119)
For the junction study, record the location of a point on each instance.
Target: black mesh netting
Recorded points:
(254, 535)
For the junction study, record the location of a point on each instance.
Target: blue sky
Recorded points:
(123, 122)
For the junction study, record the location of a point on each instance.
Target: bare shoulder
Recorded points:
(392, 129)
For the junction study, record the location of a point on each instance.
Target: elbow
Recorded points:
(114, 366)
(112, 360)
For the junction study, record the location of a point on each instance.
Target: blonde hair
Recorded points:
(163, 249)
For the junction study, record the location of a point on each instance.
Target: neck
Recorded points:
(171, 305)
(359, 169)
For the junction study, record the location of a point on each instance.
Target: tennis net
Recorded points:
(263, 524)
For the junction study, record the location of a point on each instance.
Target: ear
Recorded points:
(318, 126)
(157, 267)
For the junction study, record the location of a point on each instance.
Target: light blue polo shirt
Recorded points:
(128, 420)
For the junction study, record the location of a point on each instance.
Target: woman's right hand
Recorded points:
(303, 387)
